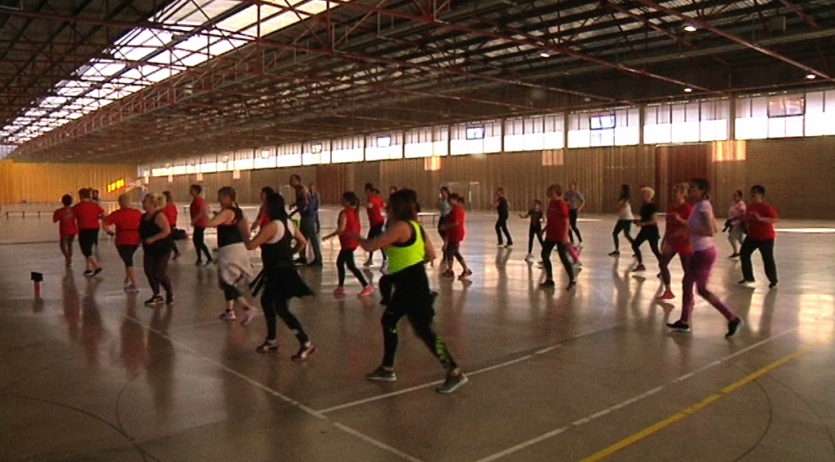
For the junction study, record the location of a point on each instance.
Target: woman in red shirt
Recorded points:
(676, 240)
(455, 232)
(170, 212)
(376, 221)
(263, 212)
(124, 224)
(348, 230)
(759, 219)
(556, 235)
(67, 229)
(87, 215)
(199, 212)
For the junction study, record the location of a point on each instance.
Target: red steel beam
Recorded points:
(802, 14)
(734, 38)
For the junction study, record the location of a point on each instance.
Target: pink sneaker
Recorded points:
(248, 316)
(448, 274)
(339, 290)
(466, 273)
(667, 295)
(367, 290)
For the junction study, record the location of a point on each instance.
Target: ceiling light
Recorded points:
(811, 76)
(688, 90)
(544, 54)
(690, 28)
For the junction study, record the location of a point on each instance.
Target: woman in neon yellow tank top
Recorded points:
(407, 247)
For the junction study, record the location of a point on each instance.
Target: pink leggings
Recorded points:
(697, 271)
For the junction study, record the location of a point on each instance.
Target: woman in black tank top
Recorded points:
(155, 233)
(279, 279)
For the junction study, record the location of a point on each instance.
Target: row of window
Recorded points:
(755, 117)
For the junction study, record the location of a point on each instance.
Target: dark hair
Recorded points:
(168, 197)
(295, 177)
(368, 187)
(624, 192)
(758, 189)
(556, 189)
(229, 192)
(738, 193)
(267, 190)
(351, 198)
(375, 191)
(456, 197)
(197, 188)
(537, 201)
(66, 199)
(403, 205)
(702, 184)
(84, 193)
(445, 189)
(275, 207)
(394, 188)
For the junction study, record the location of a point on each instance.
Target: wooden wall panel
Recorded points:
(47, 182)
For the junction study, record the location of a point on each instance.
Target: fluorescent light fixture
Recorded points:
(688, 90)
(811, 76)
(690, 28)
(544, 54)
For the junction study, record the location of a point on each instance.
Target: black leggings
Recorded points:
(375, 231)
(622, 225)
(126, 254)
(646, 234)
(230, 292)
(275, 305)
(413, 299)
(766, 249)
(534, 231)
(453, 250)
(572, 221)
(562, 251)
(200, 244)
(346, 258)
(156, 270)
(501, 227)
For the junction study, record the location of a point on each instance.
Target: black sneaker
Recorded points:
(746, 281)
(616, 253)
(571, 285)
(679, 326)
(381, 375)
(772, 285)
(88, 273)
(733, 326)
(198, 263)
(267, 347)
(304, 351)
(155, 300)
(452, 383)
(549, 284)
(96, 272)
(169, 299)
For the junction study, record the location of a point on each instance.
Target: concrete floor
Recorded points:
(90, 374)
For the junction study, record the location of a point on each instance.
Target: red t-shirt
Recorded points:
(262, 218)
(170, 212)
(680, 243)
(457, 216)
(349, 239)
(87, 214)
(127, 225)
(66, 221)
(556, 230)
(194, 209)
(375, 213)
(758, 230)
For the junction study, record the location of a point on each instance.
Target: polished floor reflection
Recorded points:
(88, 373)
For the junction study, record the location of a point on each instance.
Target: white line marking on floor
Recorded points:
(627, 402)
(279, 395)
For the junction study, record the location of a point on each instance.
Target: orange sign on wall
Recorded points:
(116, 185)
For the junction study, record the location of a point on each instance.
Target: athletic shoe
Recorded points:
(155, 300)
(208, 263)
(466, 273)
(448, 274)
(304, 351)
(88, 273)
(176, 255)
(169, 299)
(132, 289)
(529, 257)
(367, 290)
(772, 285)
(640, 267)
(267, 347)
(746, 281)
(549, 284)
(228, 315)
(339, 291)
(576, 268)
(316, 263)
(249, 315)
(616, 253)
(571, 285)
(667, 295)
(500, 244)
(96, 272)
(733, 326)
(300, 261)
(679, 326)
(452, 383)
(198, 263)
(509, 245)
(381, 375)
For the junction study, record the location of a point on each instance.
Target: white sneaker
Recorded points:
(228, 315)
(248, 316)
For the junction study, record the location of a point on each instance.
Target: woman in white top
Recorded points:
(701, 226)
(736, 230)
(625, 219)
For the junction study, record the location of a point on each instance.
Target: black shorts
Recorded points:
(126, 253)
(87, 239)
(374, 231)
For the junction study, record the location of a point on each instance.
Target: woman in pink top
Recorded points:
(735, 224)
(701, 226)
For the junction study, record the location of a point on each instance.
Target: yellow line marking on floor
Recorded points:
(658, 426)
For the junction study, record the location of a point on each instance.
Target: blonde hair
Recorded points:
(650, 191)
(158, 200)
(680, 188)
(124, 200)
